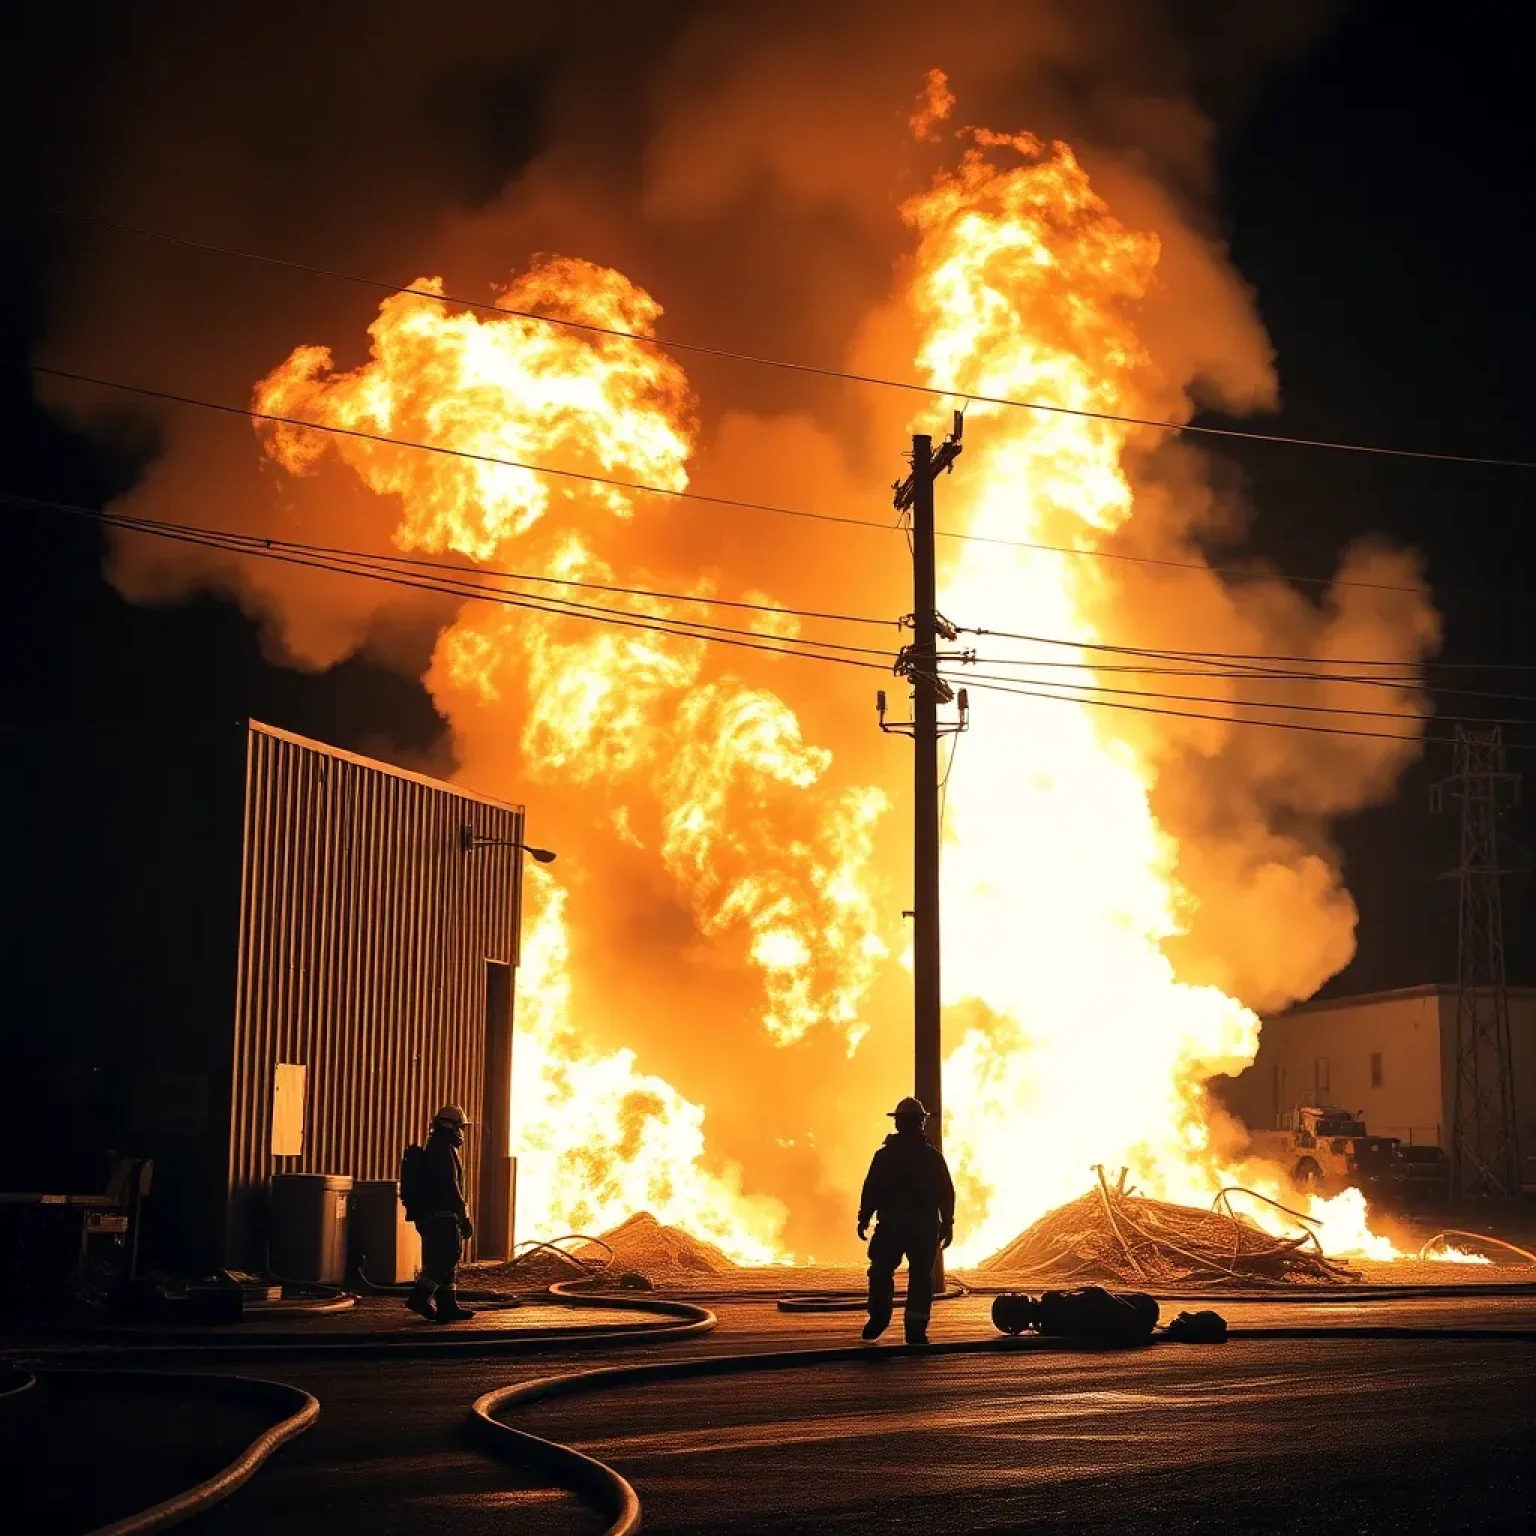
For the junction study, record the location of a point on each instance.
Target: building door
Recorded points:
(493, 1214)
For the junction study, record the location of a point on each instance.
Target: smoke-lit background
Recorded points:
(742, 164)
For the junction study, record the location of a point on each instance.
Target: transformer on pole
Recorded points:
(1485, 1156)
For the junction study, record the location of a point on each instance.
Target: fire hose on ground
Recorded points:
(297, 1412)
(612, 1495)
(601, 1485)
(588, 1270)
(1431, 1243)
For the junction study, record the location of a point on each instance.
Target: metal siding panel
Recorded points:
(364, 934)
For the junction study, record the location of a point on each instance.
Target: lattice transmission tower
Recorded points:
(1485, 1154)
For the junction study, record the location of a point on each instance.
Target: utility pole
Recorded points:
(919, 662)
(1485, 1153)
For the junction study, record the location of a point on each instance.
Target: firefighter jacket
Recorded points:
(442, 1192)
(908, 1185)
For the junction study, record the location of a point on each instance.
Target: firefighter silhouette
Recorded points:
(909, 1193)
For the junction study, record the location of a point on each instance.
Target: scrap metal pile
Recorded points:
(1114, 1236)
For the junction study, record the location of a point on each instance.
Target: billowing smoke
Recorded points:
(734, 865)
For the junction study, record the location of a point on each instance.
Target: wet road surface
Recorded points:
(1270, 1436)
(1265, 1435)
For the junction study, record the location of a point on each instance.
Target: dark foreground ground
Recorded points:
(82, 1451)
(1317, 1435)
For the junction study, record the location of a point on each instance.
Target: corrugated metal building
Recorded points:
(1389, 1057)
(241, 952)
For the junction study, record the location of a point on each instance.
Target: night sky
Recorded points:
(1376, 191)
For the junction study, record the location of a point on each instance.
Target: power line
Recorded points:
(258, 544)
(1215, 671)
(679, 628)
(648, 592)
(251, 414)
(1162, 654)
(452, 578)
(817, 370)
(1181, 714)
(486, 570)
(746, 639)
(736, 503)
(356, 563)
(460, 583)
(1197, 698)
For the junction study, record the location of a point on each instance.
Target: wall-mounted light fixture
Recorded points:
(471, 842)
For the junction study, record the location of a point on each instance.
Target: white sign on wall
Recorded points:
(289, 1081)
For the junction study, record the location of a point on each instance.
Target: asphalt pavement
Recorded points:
(1320, 1435)
(82, 1450)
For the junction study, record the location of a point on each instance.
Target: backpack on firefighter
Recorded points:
(413, 1180)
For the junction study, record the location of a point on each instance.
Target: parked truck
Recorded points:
(1324, 1149)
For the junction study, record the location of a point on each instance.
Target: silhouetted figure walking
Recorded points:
(432, 1188)
(909, 1189)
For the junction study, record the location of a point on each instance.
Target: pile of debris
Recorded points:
(643, 1246)
(639, 1254)
(1119, 1238)
(536, 1265)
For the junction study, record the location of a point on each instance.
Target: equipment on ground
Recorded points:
(1324, 1149)
(1090, 1314)
(1197, 1328)
(55, 1245)
(384, 1245)
(307, 1227)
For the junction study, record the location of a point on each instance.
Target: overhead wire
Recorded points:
(354, 563)
(1277, 676)
(657, 624)
(1215, 668)
(1169, 653)
(461, 584)
(468, 574)
(967, 678)
(358, 563)
(817, 370)
(468, 579)
(707, 600)
(250, 413)
(1276, 725)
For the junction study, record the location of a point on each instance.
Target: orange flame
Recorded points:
(710, 773)
(1061, 888)
(933, 106)
(1075, 1040)
(598, 1140)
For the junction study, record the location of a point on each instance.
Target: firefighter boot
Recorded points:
(448, 1308)
(875, 1327)
(420, 1299)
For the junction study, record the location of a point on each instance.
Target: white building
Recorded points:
(1390, 1057)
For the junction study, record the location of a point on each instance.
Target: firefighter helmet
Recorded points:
(451, 1114)
(909, 1109)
